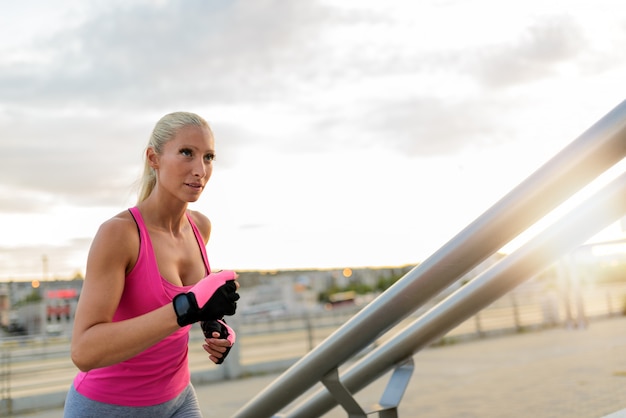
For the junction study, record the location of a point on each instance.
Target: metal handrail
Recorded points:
(597, 212)
(596, 150)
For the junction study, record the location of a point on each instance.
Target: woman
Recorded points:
(147, 280)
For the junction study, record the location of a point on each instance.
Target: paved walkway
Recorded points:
(564, 373)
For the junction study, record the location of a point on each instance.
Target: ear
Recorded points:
(152, 158)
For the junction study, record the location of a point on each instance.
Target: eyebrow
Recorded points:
(209, 151)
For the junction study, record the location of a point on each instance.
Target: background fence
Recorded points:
(36, 371)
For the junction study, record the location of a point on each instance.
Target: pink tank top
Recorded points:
(161, 372)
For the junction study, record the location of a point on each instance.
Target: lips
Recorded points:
(194, 185)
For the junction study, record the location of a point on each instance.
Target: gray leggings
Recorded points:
(184, 405)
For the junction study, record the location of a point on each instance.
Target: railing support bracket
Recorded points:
(389, 401)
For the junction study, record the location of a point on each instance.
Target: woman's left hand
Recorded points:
(220, 344)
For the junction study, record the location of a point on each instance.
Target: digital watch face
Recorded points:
(181, 303)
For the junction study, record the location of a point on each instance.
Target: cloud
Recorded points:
(192, 52)
(56, 158)
(429, 126)
(39, 260)
(77, 111)
(281, 82)
(535, 55)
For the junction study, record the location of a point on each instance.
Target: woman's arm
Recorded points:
(96, 340)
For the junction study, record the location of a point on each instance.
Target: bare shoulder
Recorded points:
(121, 225)
(117, 239)
(203, 223)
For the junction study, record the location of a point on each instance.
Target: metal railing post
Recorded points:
(589, 155)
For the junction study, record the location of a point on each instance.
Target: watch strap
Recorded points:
(186, 309)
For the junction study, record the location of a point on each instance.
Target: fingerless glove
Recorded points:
(210, 299)
(211, 326)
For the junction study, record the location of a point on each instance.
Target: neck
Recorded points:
(168, 217)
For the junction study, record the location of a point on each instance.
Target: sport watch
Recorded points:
(186, 308)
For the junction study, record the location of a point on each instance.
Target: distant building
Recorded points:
(296, 291)
(5, 305)
(39, 307)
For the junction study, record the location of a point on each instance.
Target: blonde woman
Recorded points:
(148, 279)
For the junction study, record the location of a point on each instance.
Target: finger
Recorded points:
(217, 343)
(214, 349)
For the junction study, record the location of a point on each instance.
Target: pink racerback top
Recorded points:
(161, 372)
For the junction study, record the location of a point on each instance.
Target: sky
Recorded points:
(348, 133)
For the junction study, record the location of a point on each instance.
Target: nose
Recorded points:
(199, 168)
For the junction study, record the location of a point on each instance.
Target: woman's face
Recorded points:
(186, 163)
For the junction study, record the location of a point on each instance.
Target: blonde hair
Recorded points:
(165, 130)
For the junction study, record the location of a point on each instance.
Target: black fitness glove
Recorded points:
(226, 332)
(222, 302)
(211, 298)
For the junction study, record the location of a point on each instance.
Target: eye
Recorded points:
(209, 157)
(186, 152)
